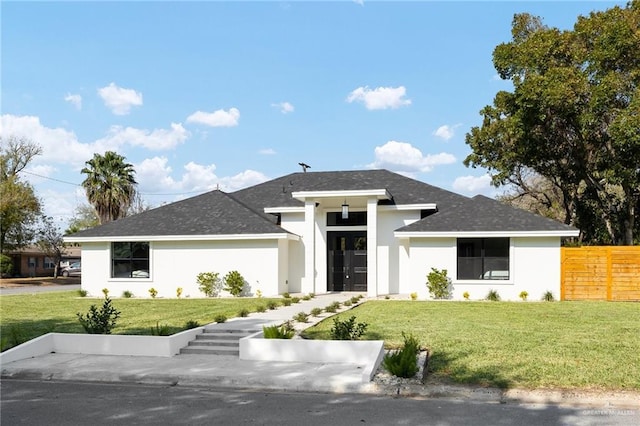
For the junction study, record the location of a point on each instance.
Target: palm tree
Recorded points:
(110, 185)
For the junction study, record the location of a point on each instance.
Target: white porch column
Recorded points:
(372, 247)
(309, 240)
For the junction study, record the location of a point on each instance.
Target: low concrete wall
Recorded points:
(101, 344)
(368, 352)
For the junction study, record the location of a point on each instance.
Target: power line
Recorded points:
(142, 193)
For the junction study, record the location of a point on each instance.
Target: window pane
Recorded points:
(483, 258)
(130, 260)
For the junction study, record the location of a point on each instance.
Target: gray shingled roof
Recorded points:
(212, 213)
(242, 212)
(483, 214)
(277, 192)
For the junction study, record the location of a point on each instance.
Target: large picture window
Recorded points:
(483, 258)
(130, 260)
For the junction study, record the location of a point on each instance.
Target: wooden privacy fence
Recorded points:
(600, 273)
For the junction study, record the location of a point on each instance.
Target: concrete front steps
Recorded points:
(217, 342)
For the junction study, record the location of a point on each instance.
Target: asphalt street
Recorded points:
(30, 289)
(75, 403)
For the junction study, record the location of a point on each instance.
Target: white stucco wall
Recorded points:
(534, 267)
(176, 264)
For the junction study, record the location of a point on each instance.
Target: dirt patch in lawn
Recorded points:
(38, 281)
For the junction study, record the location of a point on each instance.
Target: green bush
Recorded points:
(286, 295)
(347, 329)
(105, 291)
(82, 293)
(295, 300)
(272, 304)
(439, 284)
(403, 362)
(286, 302)
(301, 317)
(220, 318)
(548, 296)
(312, 295)
(523, 295)
(161, 330)
(234, 283)
(100, 320)
(127, 294)
(153, 292)
(6, 265)
(178, 292)
(493, 296)
(316, 311)
(355, 299)
(209, 283)
(306, 297)
(275, 332)
(347, 303)
(261, 308)
(244, 312)
(191, 324)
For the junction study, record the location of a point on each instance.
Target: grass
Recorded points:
(578, 345)
(27, 316)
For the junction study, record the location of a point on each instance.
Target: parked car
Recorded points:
(73, 270)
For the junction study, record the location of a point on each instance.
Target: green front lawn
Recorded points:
(588, 345)
(27, 316)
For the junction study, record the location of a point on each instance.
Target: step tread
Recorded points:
(210, 351)
(234, 343)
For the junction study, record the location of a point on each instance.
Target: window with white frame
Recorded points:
(483, 258)
(130, 260)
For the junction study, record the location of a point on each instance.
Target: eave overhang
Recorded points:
(380, 194)
(221, 237)
(487, 234)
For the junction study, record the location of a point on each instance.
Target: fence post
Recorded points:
(563, 254)
(609, 273)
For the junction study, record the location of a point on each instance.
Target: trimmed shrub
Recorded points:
(306, 297)
(244, 312)
(347, 329)
(465, 295)
(493, 296)
(275, 332)
(286, 302)
(209, 283)
(403, 362)
(127, 294)
(261, 308)
(272, 304)
(414, 296)
(220, 318)
(153, 292)
(234, 283)
(286, 295)
(191, 324)
(301, 317)
(523, 295)
(548, 296)
(161, 330)
(100, 320)
(355, 299)
(105, 291)
(83, 293)
(316, 311)
(295, 300)
(439, 284)
(347, 303)
(178, 292)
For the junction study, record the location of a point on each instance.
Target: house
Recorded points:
(30, 261)
(371, 231)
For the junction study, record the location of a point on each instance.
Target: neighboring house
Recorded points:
(32, 262)
(370, 231)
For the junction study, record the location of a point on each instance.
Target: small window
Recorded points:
(130, 260)
(354, 219)
(49, 263)
(483, 258)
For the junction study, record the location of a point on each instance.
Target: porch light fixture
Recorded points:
(345, 210)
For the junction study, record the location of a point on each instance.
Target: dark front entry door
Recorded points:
(347, 261)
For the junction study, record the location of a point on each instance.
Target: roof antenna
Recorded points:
(304, 167)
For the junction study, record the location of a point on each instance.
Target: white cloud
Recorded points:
(118, 99)
(380, 97)
(58, 145)
(403, 157)
(75, 100)
(445, 131)
(360, 2)
(154, 177)
(157, 139)
(472, 184)
(267, 151)
(284, 107)
(219, 118)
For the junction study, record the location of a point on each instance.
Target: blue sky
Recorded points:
(199, 95)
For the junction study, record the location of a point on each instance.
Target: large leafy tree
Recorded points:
(573, 118)
(84, 218)
(19, 206)
(110, 185)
